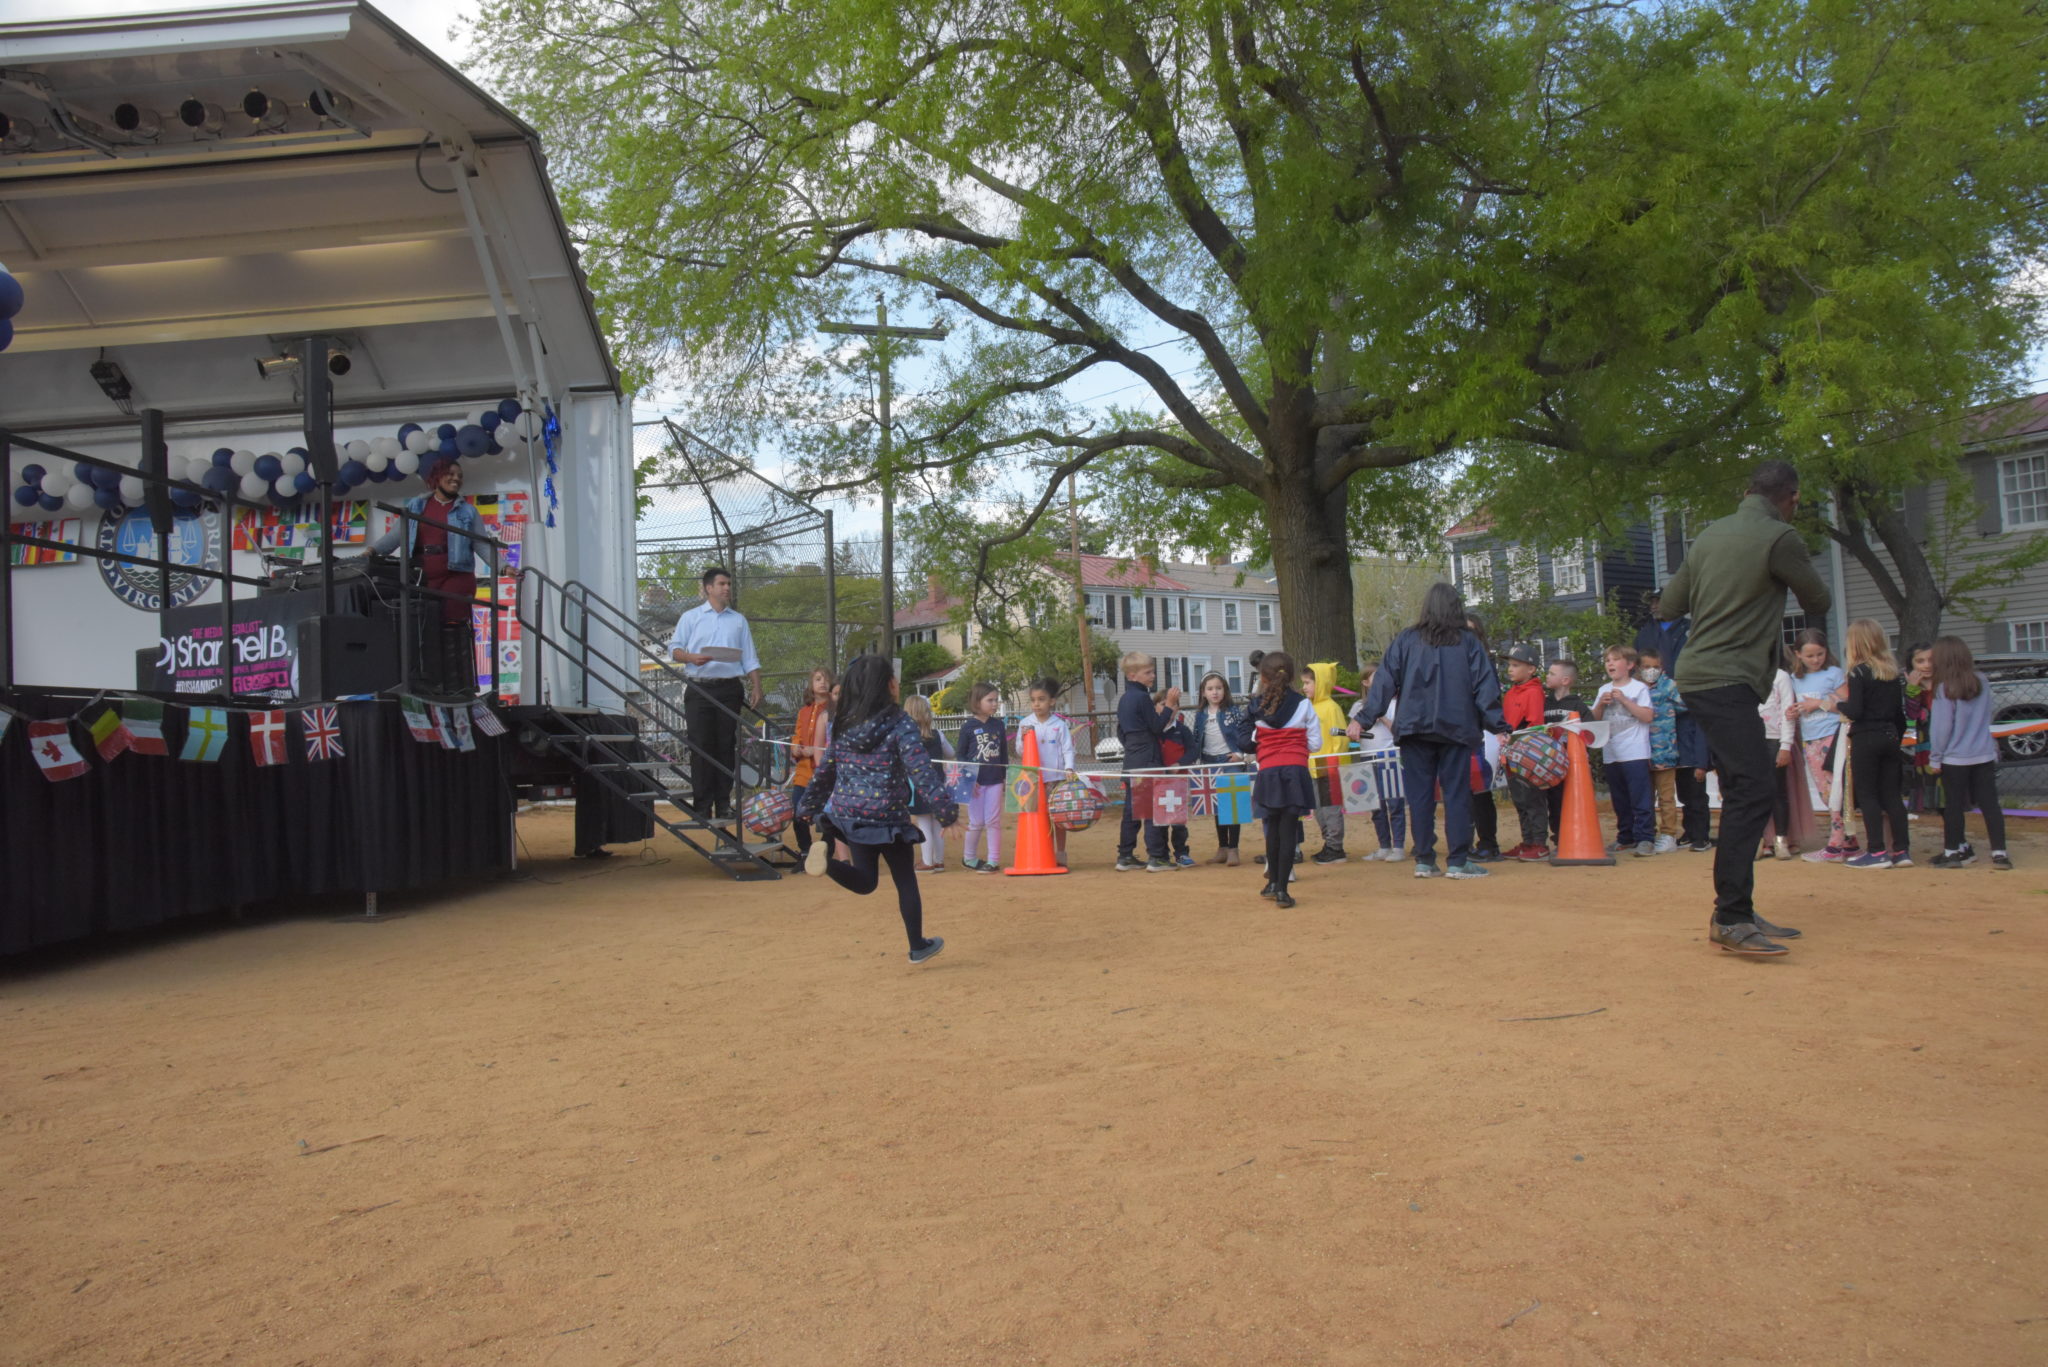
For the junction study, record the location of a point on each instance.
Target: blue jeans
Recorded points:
(1633, 791)
(1427, 765)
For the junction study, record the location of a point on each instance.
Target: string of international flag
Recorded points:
(116, 726)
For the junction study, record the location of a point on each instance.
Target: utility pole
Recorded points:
(883, 335)
(1080, 595)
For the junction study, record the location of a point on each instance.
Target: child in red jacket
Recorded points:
(1522, 707)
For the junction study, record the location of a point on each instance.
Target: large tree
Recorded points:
(1600, 234)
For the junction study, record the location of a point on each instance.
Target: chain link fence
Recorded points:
(811, 598)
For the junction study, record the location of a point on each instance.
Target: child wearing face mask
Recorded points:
(1663, 747)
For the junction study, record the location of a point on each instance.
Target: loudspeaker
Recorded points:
(341, 655)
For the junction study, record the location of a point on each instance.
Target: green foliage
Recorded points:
(1600, 250)
(1585, 633)
(925, 657)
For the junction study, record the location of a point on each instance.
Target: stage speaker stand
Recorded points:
(343, 655)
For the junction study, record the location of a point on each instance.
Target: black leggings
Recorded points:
(862, 875)
(1283, 838)
(803, 835)
(1879, 767)
(1967, 786)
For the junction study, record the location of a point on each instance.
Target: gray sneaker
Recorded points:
(1159, 866)
(1644, 849)
(931, 949)
(1468, 871)
(1429, 870)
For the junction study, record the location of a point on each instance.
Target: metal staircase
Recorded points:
(640, 751)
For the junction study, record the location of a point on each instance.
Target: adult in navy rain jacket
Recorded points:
(1449, 698)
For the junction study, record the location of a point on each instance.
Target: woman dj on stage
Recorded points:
(446, 557)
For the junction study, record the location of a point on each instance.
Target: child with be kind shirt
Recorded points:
(1624, 703)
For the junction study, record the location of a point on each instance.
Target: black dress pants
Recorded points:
(711, 714)
(1747, 763)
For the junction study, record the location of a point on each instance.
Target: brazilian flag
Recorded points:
(1023, 791)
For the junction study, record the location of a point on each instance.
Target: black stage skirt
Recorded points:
(1283, 790)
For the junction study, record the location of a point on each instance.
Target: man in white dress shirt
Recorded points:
(716, 648)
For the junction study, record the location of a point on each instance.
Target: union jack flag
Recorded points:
(323, 733)
(1202, 793)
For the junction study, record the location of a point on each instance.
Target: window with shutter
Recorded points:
(2023, 492)
(2028, 636)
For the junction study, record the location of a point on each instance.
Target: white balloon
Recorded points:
(242, 462)
(56, 484)
(292, 463)
(407, 464)
(376, 460)
(131, 491)
(419, 443)
(387, 447)
(79, 496)
(356, 450)
(196, 468)
(286, 486)
(254, 485)
(527, 425)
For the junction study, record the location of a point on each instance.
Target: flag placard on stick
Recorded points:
(1234, 799)
(1360, 788)
(1021, 791)
(1169, 802)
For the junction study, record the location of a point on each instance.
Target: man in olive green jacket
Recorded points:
(1733, 582)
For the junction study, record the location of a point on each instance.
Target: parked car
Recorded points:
(2019, 692)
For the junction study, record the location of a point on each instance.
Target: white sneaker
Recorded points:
(1666, 844)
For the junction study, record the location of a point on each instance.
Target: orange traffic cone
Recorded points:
(1034, 827)
(1578, 825)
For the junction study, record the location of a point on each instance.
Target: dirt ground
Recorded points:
(635, 1113)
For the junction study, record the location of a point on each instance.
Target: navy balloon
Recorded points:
(354, 472)
(305, 482)
(6, 329)
(445, 432)
(110, 499)
(103, 478)
(447, 448)
(49, 505)
(11, 296)
(32, 474)
(184, 498)
(220, 479)
(472, 440)
(26, 497)
(270, 467)
(82, 474)
(489, 419)
(224, 457)
(508, 409)
(494, 449)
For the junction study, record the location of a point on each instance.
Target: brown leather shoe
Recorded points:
(1745, 939)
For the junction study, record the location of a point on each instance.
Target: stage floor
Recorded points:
(634, 1112)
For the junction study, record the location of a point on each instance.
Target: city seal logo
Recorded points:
(194, 541)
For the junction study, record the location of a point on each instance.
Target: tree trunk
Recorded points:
(1903, 575)
(1312, 560)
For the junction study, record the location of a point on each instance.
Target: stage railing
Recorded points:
(152, 468)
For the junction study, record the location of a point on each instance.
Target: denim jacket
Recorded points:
(462, 517)
(1235, 723)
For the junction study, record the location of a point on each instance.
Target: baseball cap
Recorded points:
(1522, 653)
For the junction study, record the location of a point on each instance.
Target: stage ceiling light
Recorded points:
(270, 366)
(141, 125)
(202, 117)
(16, 135)
(329, 107)
(113, 381)
(267, 113)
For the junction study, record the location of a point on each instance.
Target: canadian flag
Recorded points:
(266, 737)
(55, 755)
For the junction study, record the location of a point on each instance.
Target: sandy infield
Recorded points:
(636, 1113)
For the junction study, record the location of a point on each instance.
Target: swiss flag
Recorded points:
(55, 755)
(266, 737)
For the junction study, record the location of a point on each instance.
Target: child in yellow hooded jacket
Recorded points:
(1321, 682)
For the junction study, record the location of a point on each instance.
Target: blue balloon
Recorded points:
(224, 456)
(270, 467)
(445, 432)
(508, 409)
(489, 420)
(6, 333)
(49, 505)
(302, 453)
(494, 449)
(82, 473)
(184, 498)
(109, 499)
(26, 496)
(103, 478)
(32, 474)
(407, 431)
(220, 479)
(447, 448)
(472, 440)
(354, 472)
(305, 482)
(11, 296)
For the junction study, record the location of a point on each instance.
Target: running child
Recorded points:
(984, 744)
(922, 807)
(1963, 754)
(1055, 750)
(1625, 704)
(1285, 731)
(1876, 709)
(861, 791)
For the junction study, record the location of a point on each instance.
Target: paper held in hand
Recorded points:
(724, 655)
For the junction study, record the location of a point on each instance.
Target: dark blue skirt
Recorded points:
(1283, 790)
